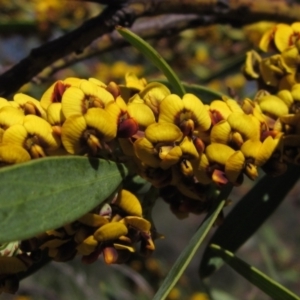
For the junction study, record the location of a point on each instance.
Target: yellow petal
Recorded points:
(169, 157)
(219, 110)
(247, 125)
(53, 94)
(267, 73)
(250, 148)
(250, 68)
(13, 154)
(273, 106)
(16, 135)
(97, 82)
(287, 97)
(146, 152)
(4, 102)
(266, 39)
(129, 203)
(142, 114)
(234, 166)
(200, 170)
(71, 135)
(55, 115)
(188, 149)
(133, 82)
(10, 115)
(110, 231)
(24, 100)
(74, 102)
(40, 128)
(88, 246)
(94, 92)
(199, 113)
(170, 108)
(220, 132)
(283, 36)
(93, 220)
(218, 153)
(137, 223)
(153, 94)
(163, 132)
(101, 120)
(268, 147)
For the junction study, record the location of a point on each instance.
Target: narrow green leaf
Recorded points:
(188, 253)
(205, 94)
(150, 53)
(46, 193)
(248, 215)
(272, 288)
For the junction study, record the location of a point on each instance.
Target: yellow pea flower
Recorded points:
(281, 36)
(30, 105)
(153, 94)
(141, 112)
(35, 135)
(90, 131)
(55, 92)
(272, 106)
(231, 161)
(189, 114)
(126, 125)
(77, 100)
(158, 148)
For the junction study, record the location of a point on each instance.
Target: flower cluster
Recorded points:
(177, 144)
(280, 70)
(113, 229)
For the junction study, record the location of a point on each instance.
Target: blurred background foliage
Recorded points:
(212, 56)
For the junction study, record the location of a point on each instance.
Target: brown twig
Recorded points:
(235, 12)
(147, 28)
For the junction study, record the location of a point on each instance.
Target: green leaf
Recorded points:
(47, 193)
(188, 253)
(205, 94)
(248, 215)
(150, 53)
(272, 288)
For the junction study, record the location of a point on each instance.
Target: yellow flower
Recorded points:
(251, 66)
(129, 203)
(127, 126)
(158, 148)
(281, 37)
(229, 163)
(141, 113)
(272, 106)
(30, 105)
(219, 110)
(77, 100)
(257, 153)
(55, 92)
(189, 114)
(153, 94)
(88, 132)
(9, 116)
(35, 135)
